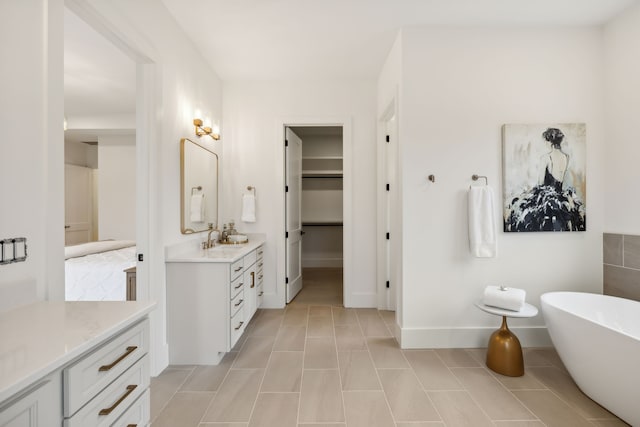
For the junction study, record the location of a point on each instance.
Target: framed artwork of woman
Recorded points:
(544, 184)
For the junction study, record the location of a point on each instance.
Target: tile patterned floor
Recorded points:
(317, 364)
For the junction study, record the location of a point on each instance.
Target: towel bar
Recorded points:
(477, 177)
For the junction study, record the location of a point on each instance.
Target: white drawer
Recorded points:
(236, 303)
(138, 413)
(237, 325)
(249, 259)
(236, 286)
(114, 400)
(236, 268)
(259, 253)
(87, 377)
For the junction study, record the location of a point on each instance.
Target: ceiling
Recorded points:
(320, 39)
(295, 39)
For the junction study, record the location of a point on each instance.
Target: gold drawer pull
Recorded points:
(132, 425)
(259, 265)
(260, 294)
(238, 303)
(239, 286)
(130, 350)
(259, 252)
(107, 411)
(239, 325)
(260, 277)
(237, 269)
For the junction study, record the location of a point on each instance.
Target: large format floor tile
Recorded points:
(318, 364)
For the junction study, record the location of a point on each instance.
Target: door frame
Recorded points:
(347, 205)
(107, 21)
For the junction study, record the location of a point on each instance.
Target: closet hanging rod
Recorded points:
(477, 177)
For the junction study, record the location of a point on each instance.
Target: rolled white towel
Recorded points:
(505, 298)
(248, 208)
(197, 208)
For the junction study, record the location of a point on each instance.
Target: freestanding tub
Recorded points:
(598, 339)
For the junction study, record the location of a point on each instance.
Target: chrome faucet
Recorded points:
(210, 243)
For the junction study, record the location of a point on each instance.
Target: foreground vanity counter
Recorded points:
(75, 364)
(212, 295)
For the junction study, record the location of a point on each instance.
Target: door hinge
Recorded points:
(387, 236)
(286, 142)
(140, 257)
(387, 187)
(286, 280)
(387, 283)
(286, 188)
(286, 234)
(387, 138)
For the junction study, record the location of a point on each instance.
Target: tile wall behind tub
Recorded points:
(621, 258)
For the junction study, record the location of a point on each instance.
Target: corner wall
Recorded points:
(622, 104)
(459, 86)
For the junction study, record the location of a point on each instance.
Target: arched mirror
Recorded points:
(199, 187)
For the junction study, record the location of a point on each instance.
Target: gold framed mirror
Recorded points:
(198, 187)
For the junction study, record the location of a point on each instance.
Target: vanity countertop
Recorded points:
(191, 252)
(41, 337)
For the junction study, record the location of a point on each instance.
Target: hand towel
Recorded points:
(505, 298)
(482, 229)
(248, 208)
(197, 208)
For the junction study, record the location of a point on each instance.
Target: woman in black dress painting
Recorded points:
(548, 206)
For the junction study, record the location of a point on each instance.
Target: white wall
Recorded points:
(459, 86)
(622, 104)
(117, 187)
(253, 150)
(31, 147)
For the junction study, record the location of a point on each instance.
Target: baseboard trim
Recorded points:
(414, 338)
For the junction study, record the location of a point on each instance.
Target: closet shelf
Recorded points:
(322, 224)
(322, 174)
(321, 157)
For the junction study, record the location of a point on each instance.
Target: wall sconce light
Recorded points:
(204, 130)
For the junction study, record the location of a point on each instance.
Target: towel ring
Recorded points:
(477, 177)
(194, 189)
(252, 188)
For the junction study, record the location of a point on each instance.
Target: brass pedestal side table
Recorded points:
(504, 353)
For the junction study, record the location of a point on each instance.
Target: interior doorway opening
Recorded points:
(314, 214)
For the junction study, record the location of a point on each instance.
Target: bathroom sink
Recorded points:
(238, 238)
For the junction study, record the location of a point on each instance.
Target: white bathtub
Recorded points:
(598, 340)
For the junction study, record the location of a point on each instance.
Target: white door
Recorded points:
(391, 214)
(293, 224)
(78, 204)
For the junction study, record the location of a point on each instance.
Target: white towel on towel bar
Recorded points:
(505, 298)
(197, 207)
(248, 208)
(482, 228)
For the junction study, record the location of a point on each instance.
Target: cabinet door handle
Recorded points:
(237, 269)
(239, 286)
(107, 411)
(239, 326)
(129, 350)
(238, 303)
(253, 279)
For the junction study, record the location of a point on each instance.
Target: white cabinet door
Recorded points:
(250, 292)
(39, 408)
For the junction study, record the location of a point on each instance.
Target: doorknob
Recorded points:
(302, 232)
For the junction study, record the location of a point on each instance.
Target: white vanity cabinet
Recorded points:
(75, 364)
(35, 406)
(211, 298)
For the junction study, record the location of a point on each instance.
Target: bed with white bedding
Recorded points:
(95, 271)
